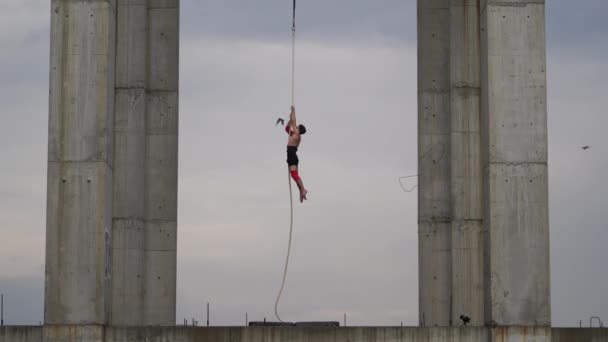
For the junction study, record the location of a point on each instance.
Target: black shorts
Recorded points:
(292, 156)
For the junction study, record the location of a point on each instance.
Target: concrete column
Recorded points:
(466, 183)
(79, 193)
(160, 245)
(129, 163)
(434, 208)
(514, 126)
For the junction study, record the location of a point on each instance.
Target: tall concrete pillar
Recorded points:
(145, 186)
(129, 163)
(112, 170)
(483, 192)
(514, 126)
(79, 193)
(161, 134)
(466, 181)
(434, 194)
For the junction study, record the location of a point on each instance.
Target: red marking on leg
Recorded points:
(295, 175)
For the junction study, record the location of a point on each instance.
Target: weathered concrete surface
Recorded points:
(434, 208)
(21, 334)
(129, 163)
(145, 186)
(520, 334)
(466, 180)
(113, 133)
(579, 335)
(80, 155)
(514, 138)
(482, 156)
(74, 333)
(82, 333)
(295, 334)
(161, 134)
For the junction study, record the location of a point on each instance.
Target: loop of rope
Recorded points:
(276, 304)
(403, 186)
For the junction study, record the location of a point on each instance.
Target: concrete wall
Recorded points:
(75, 333)
(161, 134)
(579, 335)
(434, 207)
(466, 181)
(267, 334)
(129, 163)
(449, 160)
(482, 155)
(261, 334)
(80, 155)
(514, 115)
(145, 185)
(112, 174)
(21, 334)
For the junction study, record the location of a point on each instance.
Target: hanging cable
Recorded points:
(293, 83)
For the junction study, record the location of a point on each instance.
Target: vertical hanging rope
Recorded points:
(293, 54)
(293, 83)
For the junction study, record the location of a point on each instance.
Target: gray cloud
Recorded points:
(571, 24)
(352, 20)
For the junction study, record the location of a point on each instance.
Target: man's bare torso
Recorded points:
(294, 137)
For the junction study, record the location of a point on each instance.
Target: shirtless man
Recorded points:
(295, 132)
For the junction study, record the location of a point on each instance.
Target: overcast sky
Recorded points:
(355, 242)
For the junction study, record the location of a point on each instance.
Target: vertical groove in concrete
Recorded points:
(514, 121)
(129, 163)
(434, 208)
(467, 224)
(160, 243)
(79, 193)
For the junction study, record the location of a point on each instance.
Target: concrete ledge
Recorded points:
(84, 333)
(577, 334)
(73, 333)
(21, 334)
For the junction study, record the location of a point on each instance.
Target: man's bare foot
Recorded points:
(303, 195)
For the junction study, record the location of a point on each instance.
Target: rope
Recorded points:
(293, 55)
(293, 83)
(276, 304)
(403, 186)
(421, 157)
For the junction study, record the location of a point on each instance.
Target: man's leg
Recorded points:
(293, 170)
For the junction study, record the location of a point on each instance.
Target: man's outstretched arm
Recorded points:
(292, 118)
